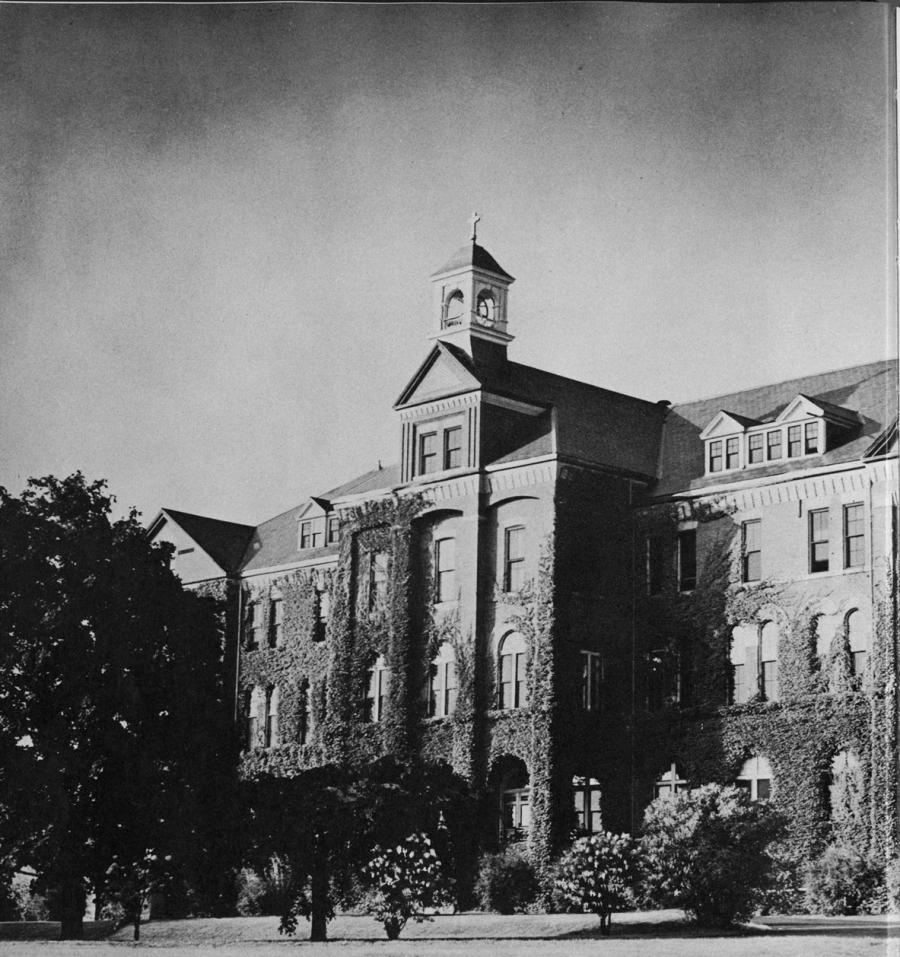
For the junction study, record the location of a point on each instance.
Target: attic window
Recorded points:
(805, 427)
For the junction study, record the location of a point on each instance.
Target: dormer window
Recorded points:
(803, 428)
(311, 534)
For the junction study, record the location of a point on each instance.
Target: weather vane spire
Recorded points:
(476, 219)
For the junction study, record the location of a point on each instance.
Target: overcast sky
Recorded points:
(217, 223)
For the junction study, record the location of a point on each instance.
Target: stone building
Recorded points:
(581, 599)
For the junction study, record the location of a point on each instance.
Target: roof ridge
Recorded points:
(784, 382)
(589, 385)
(206, 518)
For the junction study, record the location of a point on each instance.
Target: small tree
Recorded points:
(706, 852)
(596, 874)
(403, 882)
(130, 884)
(842, 881)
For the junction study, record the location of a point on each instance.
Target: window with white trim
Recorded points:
(512, 671)
(755, 777)
(586, 795)
(442, 683)
(378, 680)
(669, 783)
(591, 680)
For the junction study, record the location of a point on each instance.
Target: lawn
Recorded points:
(639, 934)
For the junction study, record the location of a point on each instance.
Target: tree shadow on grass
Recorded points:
(49, 929)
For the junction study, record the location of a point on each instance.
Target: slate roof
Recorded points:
(592, 424)
(869, 391)
(224, 542)
(276, 542)
(472, 255)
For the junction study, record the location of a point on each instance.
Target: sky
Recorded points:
(217, 222)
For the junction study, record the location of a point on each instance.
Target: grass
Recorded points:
(638, 934)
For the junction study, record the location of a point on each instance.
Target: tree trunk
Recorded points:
(71, 910)
(318, 919)
(137, 923)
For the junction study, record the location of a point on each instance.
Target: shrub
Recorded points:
(706, 852)
(892, 886)
(506, 882)
(785, 894)
(596, 874)
(404, 881)
(842, 881)
(263, 894)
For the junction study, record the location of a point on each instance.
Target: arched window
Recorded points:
(271, 736)
(454, 308)
(858, 642)
(255, 704)
(442, 683)
(513, 689)
(586, 792)
(768, 667)
(377, 684)
(485, 308)
(669, 783)
(755, 777)
(304, 713)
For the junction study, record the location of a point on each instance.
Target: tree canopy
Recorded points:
(114, 722)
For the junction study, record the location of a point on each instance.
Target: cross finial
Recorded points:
(476, 219)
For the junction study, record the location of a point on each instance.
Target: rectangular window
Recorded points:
(818, 540)
(854, 554)
(751, 551)
(769, 680)
(811, 438)
(445, 569)
(442, 689)
(377, 579)
(428, 461)
(715, 456)
(755, 448)
(453, 447)
(732, 453)
(773, 445)
(795, 441)
(271, 732)
(376, 694)
(254, 624)
(323, 608)
(687, 560)
(738, 684)
(276, 622)
(654, 565)
(657, 675)
(334, 529)
(586, 793)
(514, 558)
(252, 720)
(591, 679)
(310, 535)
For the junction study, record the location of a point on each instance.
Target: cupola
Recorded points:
(470, 301)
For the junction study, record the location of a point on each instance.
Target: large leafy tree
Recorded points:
(113, 718)
(324, 822)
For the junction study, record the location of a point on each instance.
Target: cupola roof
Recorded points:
(472, 255)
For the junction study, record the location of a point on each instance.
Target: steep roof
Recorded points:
(868, 391)
(224, 542)
(592, 424)
(472, 255)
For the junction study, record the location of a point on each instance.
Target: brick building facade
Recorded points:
(581, 599)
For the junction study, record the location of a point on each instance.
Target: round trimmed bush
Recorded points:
(506, 882)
